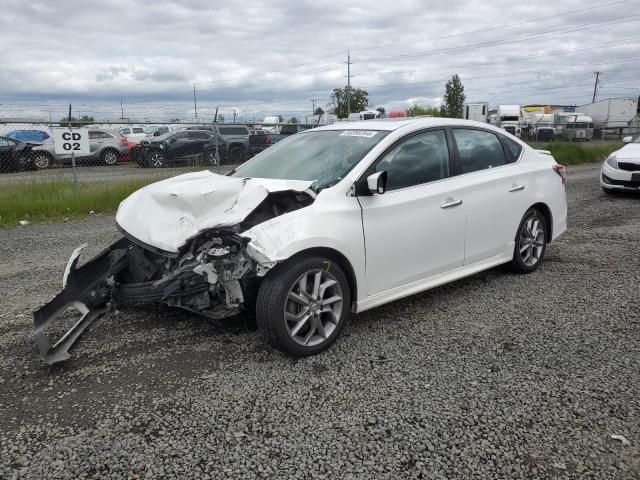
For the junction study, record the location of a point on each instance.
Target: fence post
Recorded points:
(73, 161)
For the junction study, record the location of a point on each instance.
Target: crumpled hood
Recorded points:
(168, 213)
(630, 151)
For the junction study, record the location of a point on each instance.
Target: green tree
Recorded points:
(359, 100)
(75, 122)
(453, 102)
(382, 111)
(319, 111)
(293, 120)
(418, 111)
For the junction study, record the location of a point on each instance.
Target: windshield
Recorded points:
(324, 157)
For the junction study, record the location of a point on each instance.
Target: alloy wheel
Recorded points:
(313, 307)
(532, 241)
(156, 159)
(41, 161)
(110, 158)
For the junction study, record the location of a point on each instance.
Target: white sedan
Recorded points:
(621, 170)
(333, 220)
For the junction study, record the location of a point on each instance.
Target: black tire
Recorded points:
(41, 160)
(109, 157)
(155, 159)
(272, 303)
(209, 158)
(520, 264)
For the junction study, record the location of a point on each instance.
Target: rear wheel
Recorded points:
(209, 158)
(41, 160)
(531, 242)
(302, 306)
(155, 159)
(109, 157)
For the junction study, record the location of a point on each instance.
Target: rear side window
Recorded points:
(199, 135)
(479, 150)
(137, 130)
(512, 149)
(419, 159)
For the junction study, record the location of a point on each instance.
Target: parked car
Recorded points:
(337, 219)
(236, 138)
(15, 155)
(156, 130)
(178, 147)
(107, 147)
(34, 137)
(262, 139)
(621, 170)
(132, 132)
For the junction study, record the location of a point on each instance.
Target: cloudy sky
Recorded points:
(274, 57)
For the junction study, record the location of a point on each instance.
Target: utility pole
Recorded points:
(195, 104)
(313, 102)
(595, 87)
(121, 110)
(348, 83)
(234, 116)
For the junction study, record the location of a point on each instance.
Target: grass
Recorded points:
(58, 200)
(577, 153)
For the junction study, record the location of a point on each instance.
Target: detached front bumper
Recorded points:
(87, 290)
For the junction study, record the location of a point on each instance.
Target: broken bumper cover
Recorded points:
(84, 289)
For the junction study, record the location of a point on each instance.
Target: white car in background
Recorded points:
(133, 132)
(621, 170)
(332, 220)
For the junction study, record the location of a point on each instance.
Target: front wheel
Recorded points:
(41, 161)
(209, 158)
(109, 157)
(531, 242)
(155, 159)
(302, 306)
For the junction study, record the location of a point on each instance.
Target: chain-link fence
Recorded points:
(31, 146)
(134, 149)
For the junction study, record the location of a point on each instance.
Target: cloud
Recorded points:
(261, 57)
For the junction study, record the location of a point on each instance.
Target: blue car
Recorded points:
(29, 136)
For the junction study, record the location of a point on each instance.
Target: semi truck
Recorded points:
(574, 126)
(613, 114)
(509, 119)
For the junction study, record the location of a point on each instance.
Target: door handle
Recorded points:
(516, 188)
(450, 202)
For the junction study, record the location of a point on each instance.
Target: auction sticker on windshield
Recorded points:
(358, 133)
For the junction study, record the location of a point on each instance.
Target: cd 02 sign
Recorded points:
(67, 142)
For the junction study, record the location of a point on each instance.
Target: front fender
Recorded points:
(282, 237)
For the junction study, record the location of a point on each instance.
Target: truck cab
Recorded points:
(509, 119)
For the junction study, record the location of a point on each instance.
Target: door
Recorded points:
(96, 139)
(7, 160)
(495, 194)
(416, 228)
(177, 146)
(197, 141)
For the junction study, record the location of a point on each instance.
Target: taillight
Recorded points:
(267, 140)
(562, 171)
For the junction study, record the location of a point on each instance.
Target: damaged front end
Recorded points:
(213, 273)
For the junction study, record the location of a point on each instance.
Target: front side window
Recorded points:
(421, 158)
(479, 150)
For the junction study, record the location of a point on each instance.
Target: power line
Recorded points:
(473, 46)
(499, 27)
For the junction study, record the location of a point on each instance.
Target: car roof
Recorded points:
(391, 124)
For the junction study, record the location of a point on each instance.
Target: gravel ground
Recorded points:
(123, 171)
(495, 376)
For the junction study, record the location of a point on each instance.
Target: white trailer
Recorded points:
(612, 113)
(476, 111)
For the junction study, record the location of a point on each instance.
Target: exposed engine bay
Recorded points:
(212, 274)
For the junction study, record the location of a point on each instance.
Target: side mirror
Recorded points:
(377, 182)
(627, 140)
